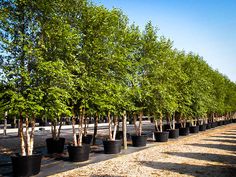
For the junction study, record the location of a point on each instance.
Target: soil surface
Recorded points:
(210, 154)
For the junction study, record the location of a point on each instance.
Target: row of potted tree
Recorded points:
(73, 58)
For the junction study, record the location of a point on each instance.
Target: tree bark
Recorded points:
(109, 123)
(74, 132)
(31, 145)
(85, 123)
(18, 128)
(124, 129)
(156, 125)
(173, 120)
(22, 141)
(5, 124)
(59, 129)
(27, 142)
(140, 123)
(115, 127)
(161, 117)
(95, 130)
(135, 125)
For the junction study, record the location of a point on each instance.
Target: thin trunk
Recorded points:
(212, 118)
(27, 134)
(74, 132)
(169, 120)
(124, 128)
(14, 121)
(5, 124)
(54, 129)
(22, 141)
(161, 117)
(31, 145)
(85, 123)
(156, 125)
(59, 129)
(109, 123)
(135, 125)
(80, 127)
(115, 127)
(18, 128)
(173, 121)
(95, 128)
(140, 123)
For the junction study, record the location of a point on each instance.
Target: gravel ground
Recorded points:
(210, 154)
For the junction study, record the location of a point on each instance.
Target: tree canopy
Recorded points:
(59, 55)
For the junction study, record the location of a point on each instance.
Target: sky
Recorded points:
(204, 27)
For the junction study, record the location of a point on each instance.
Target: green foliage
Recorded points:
(60, 55)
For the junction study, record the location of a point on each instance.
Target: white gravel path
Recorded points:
(210, 154)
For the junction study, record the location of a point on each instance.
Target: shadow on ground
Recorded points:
(232, 137)
(216, 146)
(194, 170)
(225, 159)
(221, 140)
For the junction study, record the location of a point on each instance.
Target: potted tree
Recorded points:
(78, 151)
(183, 129)
(55, 144)
(160, 135)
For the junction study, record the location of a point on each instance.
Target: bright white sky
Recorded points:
(205, 27)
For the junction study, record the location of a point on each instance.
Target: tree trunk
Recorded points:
(22, 141)
(74, 132)
(95, 129)
(31, 145)
(80, 127)
(140, 123)
(124, 128)
(135, 126)
(115, 127)
(27, 134)
(109, 123)
(85, 123)
(169, 120)
(173, 121)
(5, 124)
(59, 129)
(161, 122)
(54, 129)
(156, 125)
(18, 128)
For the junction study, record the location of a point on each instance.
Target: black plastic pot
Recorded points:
(173, 133)
(86, 139)
(26, 165)
(112, 147)
(219, 123)
(139, 141)
(55, 146)
(79, 153)
(202, 127)
(166, 127)
(119, 135)
(188, 124)
(234, 120)
(194, 129)
(208, 126)
(178, 125)
(184, 131)
(213, 124)
(161, 136)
